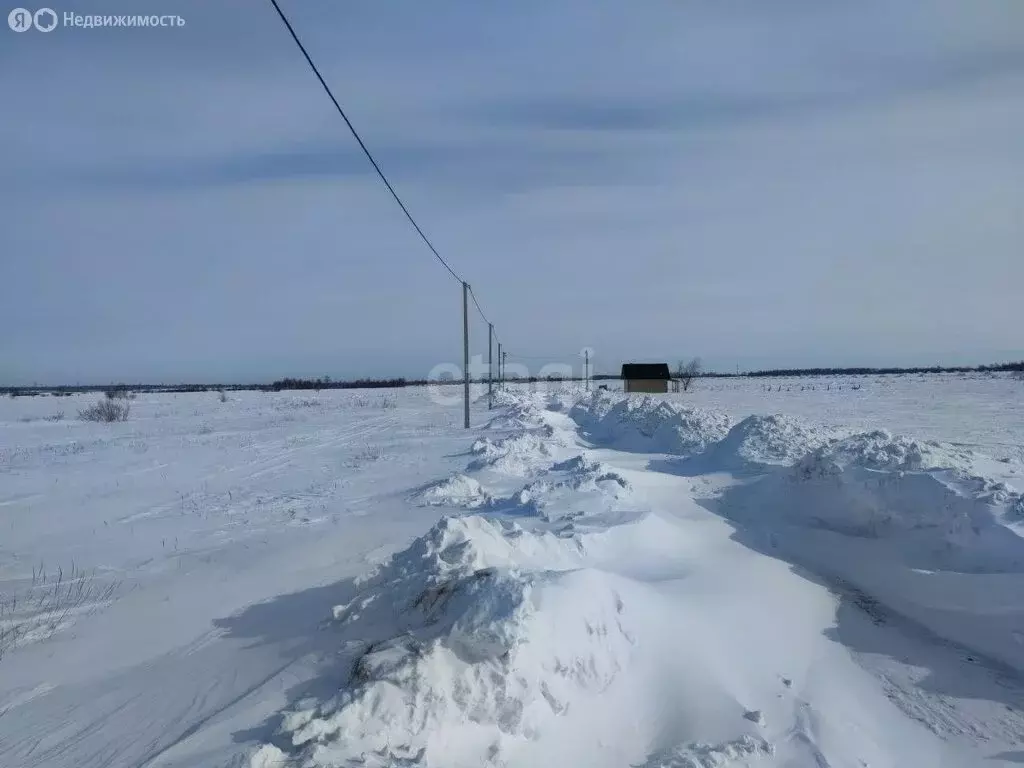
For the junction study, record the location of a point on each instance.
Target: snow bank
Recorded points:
(471, 640)
(571, 489)
(520, 410)
(457, 490)
(649, 424)
(765, 441)
(585, 473)
(574, 608)
(483, 634)
(700, 755)
(907, 523)
(879, 486)
(881, 450)
(590, 412)
(522, 453)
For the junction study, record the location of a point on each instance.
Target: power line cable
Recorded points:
(377, 168)
(362, 146)
(478, 309)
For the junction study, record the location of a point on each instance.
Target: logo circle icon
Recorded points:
(20, 20)
(45, 20)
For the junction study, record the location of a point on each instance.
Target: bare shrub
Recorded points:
(386, 402)
(58, 416)
(222, 395)
(370, 453)
(298, 404)
(686, 372)
(106, 411)
(49, 603)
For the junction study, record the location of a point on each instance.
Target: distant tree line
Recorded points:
(326, 383)
(998, 367)
(121, 389)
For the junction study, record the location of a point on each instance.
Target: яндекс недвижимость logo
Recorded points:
(47, 20)
(22, 19)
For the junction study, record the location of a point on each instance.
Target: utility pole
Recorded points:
(499, 365)
(490, 366)
(504, 362)
(586, 369)
(465, 352)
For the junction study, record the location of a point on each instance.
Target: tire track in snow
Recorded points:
(218, 710)
(277, 462)
(163, 703)
(369, 427)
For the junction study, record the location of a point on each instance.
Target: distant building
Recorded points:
(646, 377)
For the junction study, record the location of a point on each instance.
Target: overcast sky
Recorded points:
(801, 182)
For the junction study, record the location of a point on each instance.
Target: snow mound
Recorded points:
(583, 485)
(690, 431)
(520, 454)
(459, 545)
(907, 524)
(879, 486)
(700, 755)
(649, 423)
(584, 472)
(590, 411)
(562, 400)
(460, 634)
(764, 441)
(268, 756)
(455, 491)
(944, 521)
(881, 450)
(520, 410)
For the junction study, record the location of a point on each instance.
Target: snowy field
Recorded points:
(819, 573)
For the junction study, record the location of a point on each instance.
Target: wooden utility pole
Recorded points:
(490, 366)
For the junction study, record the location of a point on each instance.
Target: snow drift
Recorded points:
(879, 486)
(908, 523)
(479, 630)
(649, 424)
(575, 624)
(458, 490)
(521, 453)
(571, 489)
(760, 442)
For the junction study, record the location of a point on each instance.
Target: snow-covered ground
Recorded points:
(755, 573)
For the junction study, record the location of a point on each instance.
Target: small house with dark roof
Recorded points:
(645, 377)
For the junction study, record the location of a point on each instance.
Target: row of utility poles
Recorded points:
(502, 359)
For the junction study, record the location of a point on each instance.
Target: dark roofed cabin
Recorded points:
(645, 377)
